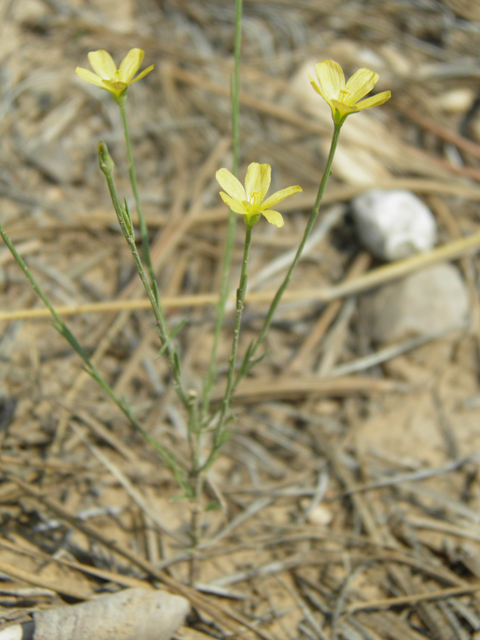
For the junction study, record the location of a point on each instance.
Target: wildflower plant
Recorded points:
(208, 429)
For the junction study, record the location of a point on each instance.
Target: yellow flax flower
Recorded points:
(108, 76)
(248, 200)
(343, 97)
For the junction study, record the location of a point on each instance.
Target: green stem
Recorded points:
(219, 432)
(82, 353)
(133, 180)
(123, 215)
(278, 296)
(232, 217)
(91, 369)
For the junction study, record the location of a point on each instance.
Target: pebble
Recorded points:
(429, 301)
(393, 224)
(130, 614)
(320, 515)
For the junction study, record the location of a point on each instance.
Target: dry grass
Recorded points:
(350, 502)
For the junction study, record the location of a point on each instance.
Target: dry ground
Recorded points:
(350, 502)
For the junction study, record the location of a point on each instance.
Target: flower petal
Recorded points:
(279, 196)
(374, 101)
(89, 76)
(103, 64)
(231, 184)
(344, 108)
(319, 90)
(233, 203)
(143, 74)
(130, 64)
(274, 217)
(115, 87)
(331, 78)
(257, 180)
(361, 83)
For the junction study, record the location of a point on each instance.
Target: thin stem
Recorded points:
(91, 369)
(195, 525)
(133, 180)
(232, 217)
(123, 215)
(82, 353)
(278, 296)
(219, 432)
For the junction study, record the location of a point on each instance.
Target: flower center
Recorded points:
(253, 201)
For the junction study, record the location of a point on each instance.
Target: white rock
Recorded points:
(393, 224)
(432, 300)
(455, 101)
(320, 515)
(131, 614)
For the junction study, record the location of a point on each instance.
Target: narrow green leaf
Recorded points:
(175, 331)
(127, 219)
(213, 505)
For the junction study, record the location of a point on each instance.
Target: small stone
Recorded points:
(393, 224)
(456, 101)
(131, 614)
(320, 515)
(432, 300)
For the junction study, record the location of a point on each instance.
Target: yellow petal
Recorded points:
(257, 180)
(374, 101)
(89, 76)
(361, 83)
(231, 184)
(279, 196)
(114, 87)
(319, 90)
(331, 78)
(233, 204)
(143, 74)
(131, 64)
(343, 108)
(103, 64)
(274, 217)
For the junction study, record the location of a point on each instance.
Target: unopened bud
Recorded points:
(105, 159)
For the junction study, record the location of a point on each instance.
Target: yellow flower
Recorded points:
(108, 76)
(343, 97)
(248, 201)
